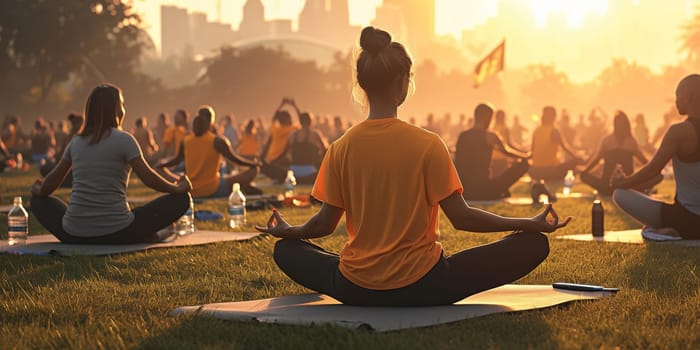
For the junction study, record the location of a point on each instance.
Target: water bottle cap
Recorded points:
(290, 173)
(17, 200)
(596, 202)
(236, 187)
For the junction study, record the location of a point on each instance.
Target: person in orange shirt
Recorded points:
(174, 134)
(202, 152)
(275, 155)
(248, 143)
(546, 142)
(390, 179)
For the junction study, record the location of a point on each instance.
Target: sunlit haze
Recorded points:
(570, 27)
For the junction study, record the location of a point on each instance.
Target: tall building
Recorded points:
(327, 20)
(175, 30)
(253, 23)
(419, 19)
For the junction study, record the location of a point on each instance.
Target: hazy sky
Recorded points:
(661, 22)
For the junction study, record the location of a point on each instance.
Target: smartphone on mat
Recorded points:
(583, 287)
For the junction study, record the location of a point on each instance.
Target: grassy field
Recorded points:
(123, 301)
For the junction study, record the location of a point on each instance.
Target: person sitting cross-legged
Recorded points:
(473, 160)
(101, 157)
(202, 152)
(618, 148)
(681, 145)
(390, 179)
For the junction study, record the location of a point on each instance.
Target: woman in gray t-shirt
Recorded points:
(101, 157)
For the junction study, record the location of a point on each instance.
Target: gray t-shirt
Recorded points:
(101, 173)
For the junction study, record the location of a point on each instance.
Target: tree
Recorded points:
(545, 85)
(44, 43)
(691, 39)
(252, 80)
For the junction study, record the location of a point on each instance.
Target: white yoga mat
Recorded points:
(561, 195)
(628, 236)
(311, 309)
(509, 200)
(49, 245)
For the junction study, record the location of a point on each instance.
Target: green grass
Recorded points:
(123, 301)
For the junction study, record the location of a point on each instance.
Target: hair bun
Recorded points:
(374, 40)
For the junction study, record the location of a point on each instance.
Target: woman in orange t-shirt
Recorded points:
(249, 144)
(390, 178)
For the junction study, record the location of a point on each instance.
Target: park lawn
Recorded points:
(123, 301)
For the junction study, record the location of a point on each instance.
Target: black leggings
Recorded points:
(496, 187)
(148, 220)
(603, 185)
(451, 279)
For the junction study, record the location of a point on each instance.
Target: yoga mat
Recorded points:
(311, 309)
(628, 236)
(509, 200)
(575, 195)
(49, 245)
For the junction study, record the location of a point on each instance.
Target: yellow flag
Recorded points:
(491, 64)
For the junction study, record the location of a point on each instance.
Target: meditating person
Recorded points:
(249, 143)
(144, 136)
(500, 162)
(681, 145)
(473, 156)
(306, 147)
(42, 141)
(546, 143)
(172, 138)
(275, 154)
(101, 157)
(619, 148)
(76, 122)
(390, 178)
(202, 153)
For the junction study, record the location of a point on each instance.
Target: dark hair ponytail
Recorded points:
(380, 62)
(101, 112)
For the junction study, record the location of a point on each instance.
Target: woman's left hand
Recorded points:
(548, 220)
(276, 225)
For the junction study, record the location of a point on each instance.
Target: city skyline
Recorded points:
(560, 36)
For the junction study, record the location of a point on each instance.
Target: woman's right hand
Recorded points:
(183, 184)
(546, 221)
(276, 225)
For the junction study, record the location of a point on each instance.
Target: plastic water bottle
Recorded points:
(597, 219)
(17, 227)
(185, 224)
(290, 184)
(236, 207)
(20, 162)
(568, 182)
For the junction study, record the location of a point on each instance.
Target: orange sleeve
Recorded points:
(327, 188)
(441, 178)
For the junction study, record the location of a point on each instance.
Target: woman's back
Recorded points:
(100, 177)
(202, 163)
(686, 170)
(389, 176)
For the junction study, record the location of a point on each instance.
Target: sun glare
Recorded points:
(575, 11)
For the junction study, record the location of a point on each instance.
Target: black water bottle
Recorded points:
(597, 219)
